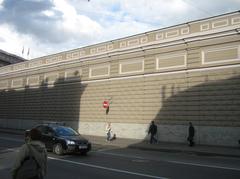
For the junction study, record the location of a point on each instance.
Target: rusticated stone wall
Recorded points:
(189, 72)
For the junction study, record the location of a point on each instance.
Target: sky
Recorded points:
(35, 28)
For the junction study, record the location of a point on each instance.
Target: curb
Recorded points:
(142, 147)
(200, 153)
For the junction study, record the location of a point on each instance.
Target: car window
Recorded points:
(48, 131)
(40, 128)
(65, 131)
(43, 129)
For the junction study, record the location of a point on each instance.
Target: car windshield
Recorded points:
(65, 131)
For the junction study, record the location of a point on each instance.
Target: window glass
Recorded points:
(65, 131)
(40, 128)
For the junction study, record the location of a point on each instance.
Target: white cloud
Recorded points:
(48, 13)
(74, 23)
(1, 4)
(13, 42)
(58, 25)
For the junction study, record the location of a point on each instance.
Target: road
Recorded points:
(118, 163)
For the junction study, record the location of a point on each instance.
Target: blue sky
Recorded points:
(51, 26)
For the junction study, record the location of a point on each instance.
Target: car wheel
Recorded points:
(58, 149)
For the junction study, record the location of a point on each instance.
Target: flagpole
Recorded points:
(28, 53)
(23, 52)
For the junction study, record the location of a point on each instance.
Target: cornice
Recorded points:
(175, 35)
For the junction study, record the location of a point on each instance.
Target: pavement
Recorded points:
(160, 146)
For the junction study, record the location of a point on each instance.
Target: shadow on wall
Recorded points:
(212, 107)
(57, 102)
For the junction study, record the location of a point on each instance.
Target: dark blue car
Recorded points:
(62, 139)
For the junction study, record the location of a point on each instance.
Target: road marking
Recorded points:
(6, 150)
(202, 165)
(169, 161)
(106, 168)
(127, 156)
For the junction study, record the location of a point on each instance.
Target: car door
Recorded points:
(50, 137)
(46, 136)
(42, 130)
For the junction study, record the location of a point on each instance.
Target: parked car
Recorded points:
(62, 139)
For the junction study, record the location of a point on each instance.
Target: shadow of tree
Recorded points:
(58, 101)
(212, 106)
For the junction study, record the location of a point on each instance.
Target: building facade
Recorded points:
(176, 75)
(7, 58)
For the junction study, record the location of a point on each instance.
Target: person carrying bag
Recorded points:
(31, 162)
(29, 168)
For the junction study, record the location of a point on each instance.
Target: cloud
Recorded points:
(51, 26)
(26, 17)
(12, 41)
(2, 40)
(48, 21)
(74, 24)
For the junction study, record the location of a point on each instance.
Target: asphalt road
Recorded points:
(123, 163)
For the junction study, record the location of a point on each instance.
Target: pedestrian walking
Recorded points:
(153, 131)
(191, 132)
(108, 131)
(110, 135)
(31, 161)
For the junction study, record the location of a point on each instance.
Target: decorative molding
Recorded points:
(92, 50)
(159, 36)
(5, 69)
(17, 82)
(123, 44)
(4, 84)
(185, 31)
(33, 80)
(75, 54)
(99, 67)
(35, 63)
(133, 42)
(214, 49)
(51, 77)
(173, 33)
(208, 26)
(235, 20)
(204, 27)
(220, 23)
(144, 40)
(110, 47)
(132, 62)
(101, 49)
(19, 66)
(53, 59)
(169, 57)
(72, 73)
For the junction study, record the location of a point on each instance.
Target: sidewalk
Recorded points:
(168, 147)
(161, 146)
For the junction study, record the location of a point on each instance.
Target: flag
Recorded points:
(23, 50)
(28, 52)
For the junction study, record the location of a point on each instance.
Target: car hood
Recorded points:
(75, 138)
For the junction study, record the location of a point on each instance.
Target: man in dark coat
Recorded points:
(34, 147)
(153, 131)
(191, 132)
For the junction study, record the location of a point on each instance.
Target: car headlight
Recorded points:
(70, 142)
